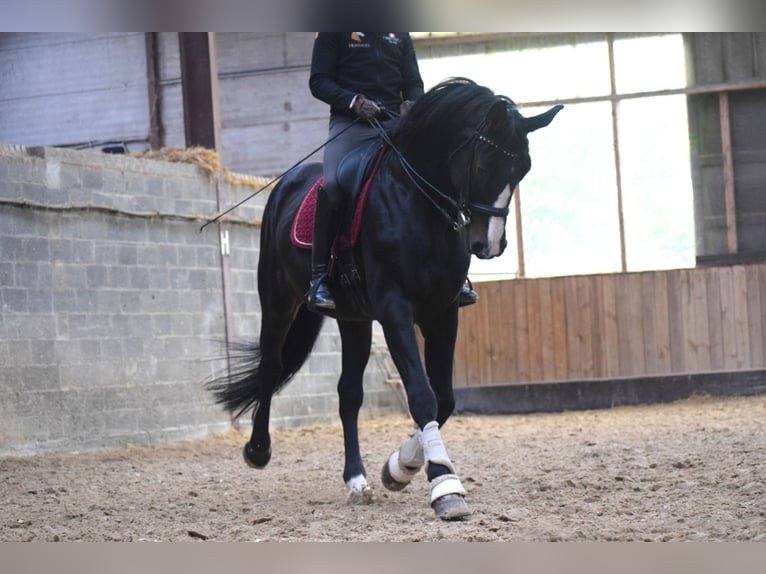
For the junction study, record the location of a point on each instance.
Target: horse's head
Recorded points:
(491, 164)
(472, 145)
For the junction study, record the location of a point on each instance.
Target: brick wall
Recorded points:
(112, 305)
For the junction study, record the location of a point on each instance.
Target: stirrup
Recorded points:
(467, 295)
(319, 295)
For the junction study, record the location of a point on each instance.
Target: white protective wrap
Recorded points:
(433, 446)
(411, 451)
(444, 485)
(398, 471)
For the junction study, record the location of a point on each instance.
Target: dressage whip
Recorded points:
(280, 176)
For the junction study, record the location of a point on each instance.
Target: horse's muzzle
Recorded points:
(484, 249)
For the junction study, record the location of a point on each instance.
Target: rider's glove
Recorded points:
(364, 108)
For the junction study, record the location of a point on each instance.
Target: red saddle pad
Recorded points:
(303, 224)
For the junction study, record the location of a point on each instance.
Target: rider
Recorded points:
(360, 75)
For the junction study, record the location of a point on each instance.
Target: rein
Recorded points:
(461, 206)
(457, 223)
(277, 178)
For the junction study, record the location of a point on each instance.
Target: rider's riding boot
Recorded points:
(467, 295)
(319, 295)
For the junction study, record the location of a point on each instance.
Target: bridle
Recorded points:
(490, 210)
(462, 207)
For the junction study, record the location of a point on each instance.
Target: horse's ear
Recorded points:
(540, 120)
(497, 116)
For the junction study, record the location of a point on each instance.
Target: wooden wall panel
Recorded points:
(728, 344)
(505, 319)
(761, 282)
(535, 343)
(755, 304)
(661, 323)
(713, 284)
(73, 89)
(494, 345)
(561, 360)
(547, 330)
(521, 332)
(699, 326)
(648, 301)
(742, 340)
(674, 322)
(609, 330)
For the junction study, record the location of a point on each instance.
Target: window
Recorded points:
(600, 197)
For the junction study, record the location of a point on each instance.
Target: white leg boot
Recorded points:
(403, 464)
(447, 492)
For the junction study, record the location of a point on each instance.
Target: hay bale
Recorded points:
(209, 162)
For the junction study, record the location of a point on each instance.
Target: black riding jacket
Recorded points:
(380, 66)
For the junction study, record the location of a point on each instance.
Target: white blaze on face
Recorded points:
(496, 227)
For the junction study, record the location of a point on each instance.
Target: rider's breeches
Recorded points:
(358, 134)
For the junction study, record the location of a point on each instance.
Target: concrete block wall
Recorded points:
(112, 306)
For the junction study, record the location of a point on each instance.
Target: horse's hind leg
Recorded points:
(356, 338)
(287, 338)
(257, 451)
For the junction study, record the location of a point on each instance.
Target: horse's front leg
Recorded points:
(440, 335)
(356, 339)
(447, 493)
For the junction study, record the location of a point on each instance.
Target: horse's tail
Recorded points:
(244, 386)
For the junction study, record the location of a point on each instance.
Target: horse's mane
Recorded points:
(451, 104)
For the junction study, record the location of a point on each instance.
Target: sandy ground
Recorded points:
(692, 470)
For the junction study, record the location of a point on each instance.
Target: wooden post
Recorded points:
(199, 78)
(728, 173)
(522, 271)
(616, 142)
(150, 43)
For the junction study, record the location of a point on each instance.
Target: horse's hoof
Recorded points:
(451, 507)
(363, 496)
(359, 492)
(254, 458)
(389, 481)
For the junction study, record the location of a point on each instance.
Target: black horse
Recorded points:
(440, 195)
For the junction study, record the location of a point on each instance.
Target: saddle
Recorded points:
(355, 174)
